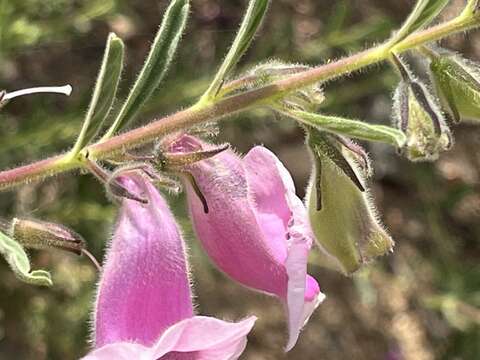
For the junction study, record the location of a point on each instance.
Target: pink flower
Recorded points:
(253, 226)
(144, 306)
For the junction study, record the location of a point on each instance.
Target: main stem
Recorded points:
(218, 109)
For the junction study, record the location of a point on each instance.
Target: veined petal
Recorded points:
(144, 287)
(205, 337)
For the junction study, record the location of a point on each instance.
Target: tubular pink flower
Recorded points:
(144, 307)
(256, 229)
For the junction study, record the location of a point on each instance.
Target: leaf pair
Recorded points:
(153, 71)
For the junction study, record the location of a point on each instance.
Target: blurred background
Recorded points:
(422, 302)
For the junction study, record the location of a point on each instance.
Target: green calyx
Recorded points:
(457, 81)
(341, 212)
(418, 115)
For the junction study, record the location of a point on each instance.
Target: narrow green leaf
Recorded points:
(430, 12)
(350, 128)
(104, 93)
(251, 22)
(158, 60)
(16, 257)
(422, 14)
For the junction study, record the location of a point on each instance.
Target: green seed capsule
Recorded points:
(341, 211)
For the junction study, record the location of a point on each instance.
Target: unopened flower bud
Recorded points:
(170, 161)
(38, 234)
(341, 211)
(418, 115)
(307, 99)
(457, 81)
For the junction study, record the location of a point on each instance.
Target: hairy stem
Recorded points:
(213, 111)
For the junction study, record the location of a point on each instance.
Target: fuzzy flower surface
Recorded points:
(144, 305)
(253, 226)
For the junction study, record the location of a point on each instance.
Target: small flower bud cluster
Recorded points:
(418, 114)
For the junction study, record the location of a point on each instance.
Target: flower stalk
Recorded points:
(215, 110)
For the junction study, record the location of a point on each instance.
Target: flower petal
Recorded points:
(255, 215)
(230, 232)
(207, 337)
(144, 287)
(303, 291)
(268, 179)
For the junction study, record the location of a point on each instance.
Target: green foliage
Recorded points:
(422, 14)
(251, 22)
(458, 83)
(19, 263)
(351, 128)
(159, 58)
(104, 93)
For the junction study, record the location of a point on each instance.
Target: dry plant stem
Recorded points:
(217, 109)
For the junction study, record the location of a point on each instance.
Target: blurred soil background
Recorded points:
(422, 302)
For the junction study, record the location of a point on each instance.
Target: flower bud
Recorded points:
(418, 115)
(38, 234)
(457, 81)
(177, 162)
(307, 99)
(341, 211)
